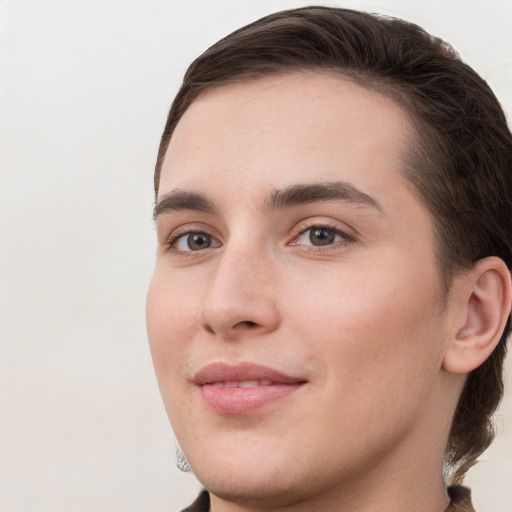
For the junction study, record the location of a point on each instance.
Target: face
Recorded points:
(294, 313)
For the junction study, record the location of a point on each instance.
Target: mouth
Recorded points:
(242, 384)
(244, 388)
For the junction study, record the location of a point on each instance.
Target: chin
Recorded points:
(253, 471)
(253, 488)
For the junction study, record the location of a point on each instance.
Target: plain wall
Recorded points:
(85, 86)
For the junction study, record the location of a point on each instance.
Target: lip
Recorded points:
(243, 388)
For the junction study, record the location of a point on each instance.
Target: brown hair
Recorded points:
(460, 165)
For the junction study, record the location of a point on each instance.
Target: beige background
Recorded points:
(85, 87)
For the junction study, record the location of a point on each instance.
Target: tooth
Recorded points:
(221, 384)
(248, 384)
(241, 384)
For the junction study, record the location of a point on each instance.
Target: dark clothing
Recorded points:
(460, 501)
(202, 503)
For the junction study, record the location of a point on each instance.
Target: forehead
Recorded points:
(277, 131)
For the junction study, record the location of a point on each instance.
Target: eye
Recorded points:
(193, 241)
(320, 236)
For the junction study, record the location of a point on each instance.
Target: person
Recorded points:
(331, 298)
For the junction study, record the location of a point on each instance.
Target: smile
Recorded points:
(244, 388)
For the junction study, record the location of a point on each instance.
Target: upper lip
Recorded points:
(222, 372)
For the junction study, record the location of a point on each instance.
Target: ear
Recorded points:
(484, 299)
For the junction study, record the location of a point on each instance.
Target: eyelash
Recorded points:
(347, 239)
(175, 236)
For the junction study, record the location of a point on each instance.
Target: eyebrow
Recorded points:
(295, 195)
(309, 193)
(179, 200)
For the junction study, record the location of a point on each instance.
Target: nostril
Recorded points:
(246, 324)
(249, 324)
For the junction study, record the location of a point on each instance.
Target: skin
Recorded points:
(362, 319)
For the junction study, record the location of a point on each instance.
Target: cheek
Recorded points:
(383, 322)
(171, 320)
(381, 347)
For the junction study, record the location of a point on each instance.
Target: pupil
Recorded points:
(321, 236)
(198, 241)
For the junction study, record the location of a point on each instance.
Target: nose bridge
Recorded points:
(240, 298)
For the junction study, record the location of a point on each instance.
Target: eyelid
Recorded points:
(189, 229)
(301, 228)
(347, 238)
(174, 243)
(308, 224)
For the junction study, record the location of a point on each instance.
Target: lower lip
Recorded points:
(236, 401)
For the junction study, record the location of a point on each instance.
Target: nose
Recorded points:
(241, 300)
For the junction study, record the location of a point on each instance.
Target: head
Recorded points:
(455, 160)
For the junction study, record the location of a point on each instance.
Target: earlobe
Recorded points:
(486, 303)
